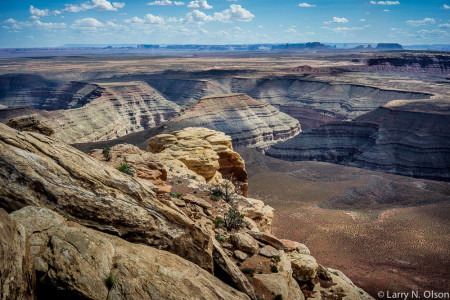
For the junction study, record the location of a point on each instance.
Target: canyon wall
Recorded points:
(118, 109)
(249, 122)
(404, 137)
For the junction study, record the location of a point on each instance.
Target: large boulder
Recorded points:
(304, 266)
(259, 212)
(278, 284)
(39, 170)
(244, 242)
(205, 152)
(76, 262)
(227, 270)
(17, 276)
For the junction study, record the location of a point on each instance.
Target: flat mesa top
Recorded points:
(434, 106)
(224, 96)
(118, 83)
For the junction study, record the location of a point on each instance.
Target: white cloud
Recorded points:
(49, 25)
(291, 30)
(178, 3)
(119, 4)
(235, 13)
(37, 13)
(426, 21)
(306, 5)
(260, 26)
(151, 19)
(148, 19)
(386, 10)
(446, 25)
(103, 5)
(362, 20)
(385, 2)
(445, 6)
(10, 21)
(76, 8)
(87, 24)
(337, 20)
(199, 4)
(343, 29)
(160, 2)
(134, 20)
(94, 4)
(197, 17)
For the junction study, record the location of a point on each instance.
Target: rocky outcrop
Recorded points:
(249, 122)
(204, 151)
(76, 262)
(17, 274)
(142, 164)
(103, 111)
(404, 137)
(38, 170)
(97, 233)
(30, 123)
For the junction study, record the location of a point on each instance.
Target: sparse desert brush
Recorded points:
(125, 168)
(234, 219)
(106, 152)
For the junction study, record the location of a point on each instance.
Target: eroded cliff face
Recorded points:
(404, 137)
(108, 111)
(249, 122)
(121, 255)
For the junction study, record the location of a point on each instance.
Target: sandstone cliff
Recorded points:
(404, 137)
(99, 233)
(249, 122)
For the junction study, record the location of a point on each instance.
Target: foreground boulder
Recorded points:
(77, 262)
(206, 152)
(17, 277)
(39, 170)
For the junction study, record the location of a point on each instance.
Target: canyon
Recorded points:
(327, 140)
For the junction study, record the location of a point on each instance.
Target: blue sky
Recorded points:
(51, 23)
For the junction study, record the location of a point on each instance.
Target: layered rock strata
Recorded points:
(249, 122)
(404, 137)
(111, 110)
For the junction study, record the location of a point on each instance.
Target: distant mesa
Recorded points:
(389, 46)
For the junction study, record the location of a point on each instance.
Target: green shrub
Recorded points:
(175, 195)
(220, 238)
(273, 269)
(276, 258)
(110, 282)
(214, 198)
(234, 219)
(218, 222)
(248, 270)
(125, 168)
(259, 298)
(106, 152)
(217, 192)
(278, 297)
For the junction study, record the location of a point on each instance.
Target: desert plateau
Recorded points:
(216, 150)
